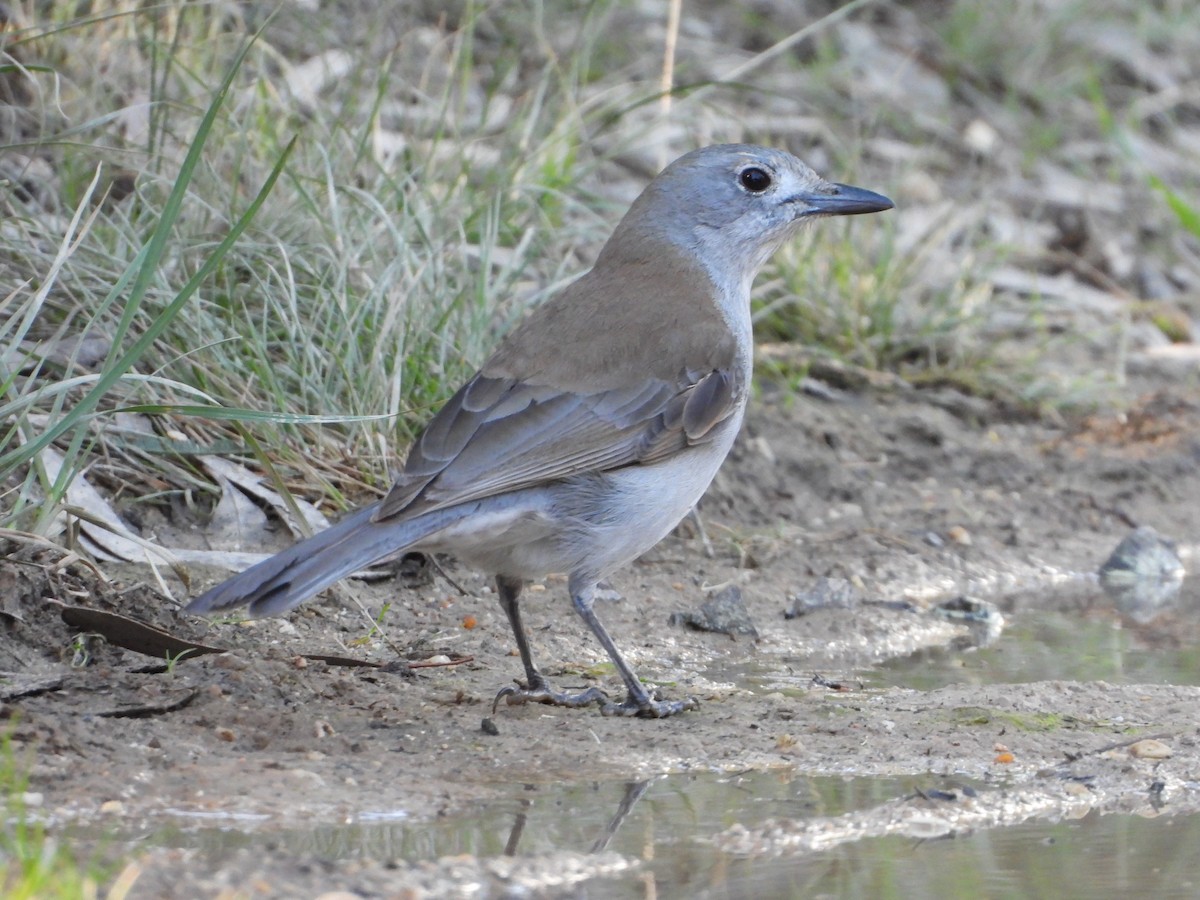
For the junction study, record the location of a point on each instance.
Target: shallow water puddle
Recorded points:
(1049, 644)
(675, 832)
(1096, 857)
(541, 818)
(1052, 639)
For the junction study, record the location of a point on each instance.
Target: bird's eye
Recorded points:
(754, 179)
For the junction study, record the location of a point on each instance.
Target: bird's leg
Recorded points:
(639, 701)
(535, 689)
(701, 532)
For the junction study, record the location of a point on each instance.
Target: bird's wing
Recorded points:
(501, 434)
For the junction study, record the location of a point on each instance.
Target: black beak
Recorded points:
(846, 200)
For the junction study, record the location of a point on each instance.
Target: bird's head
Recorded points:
(732, 205)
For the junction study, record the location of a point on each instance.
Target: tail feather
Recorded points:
(290, 577)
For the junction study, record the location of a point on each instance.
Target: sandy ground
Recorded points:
(912, 497)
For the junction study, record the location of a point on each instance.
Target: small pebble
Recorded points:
(1143, 575)
(959, 535)
(980, 137)
(1150, 749)
(725, 613)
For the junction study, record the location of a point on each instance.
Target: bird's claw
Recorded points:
(518, 694)
(651, 708)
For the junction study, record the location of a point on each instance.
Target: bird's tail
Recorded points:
(290, 577)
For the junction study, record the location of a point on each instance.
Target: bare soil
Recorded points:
(915, 496)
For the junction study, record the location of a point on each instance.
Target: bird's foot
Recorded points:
(539, 691)
(650, 707)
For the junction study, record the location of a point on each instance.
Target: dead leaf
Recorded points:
(133, 635)
(108, 537)
(314, 520)
(236, 521)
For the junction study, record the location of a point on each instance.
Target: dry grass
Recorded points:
(452, 168)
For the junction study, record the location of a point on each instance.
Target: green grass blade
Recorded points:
(141, 272)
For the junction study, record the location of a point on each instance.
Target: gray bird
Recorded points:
(599, 421)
